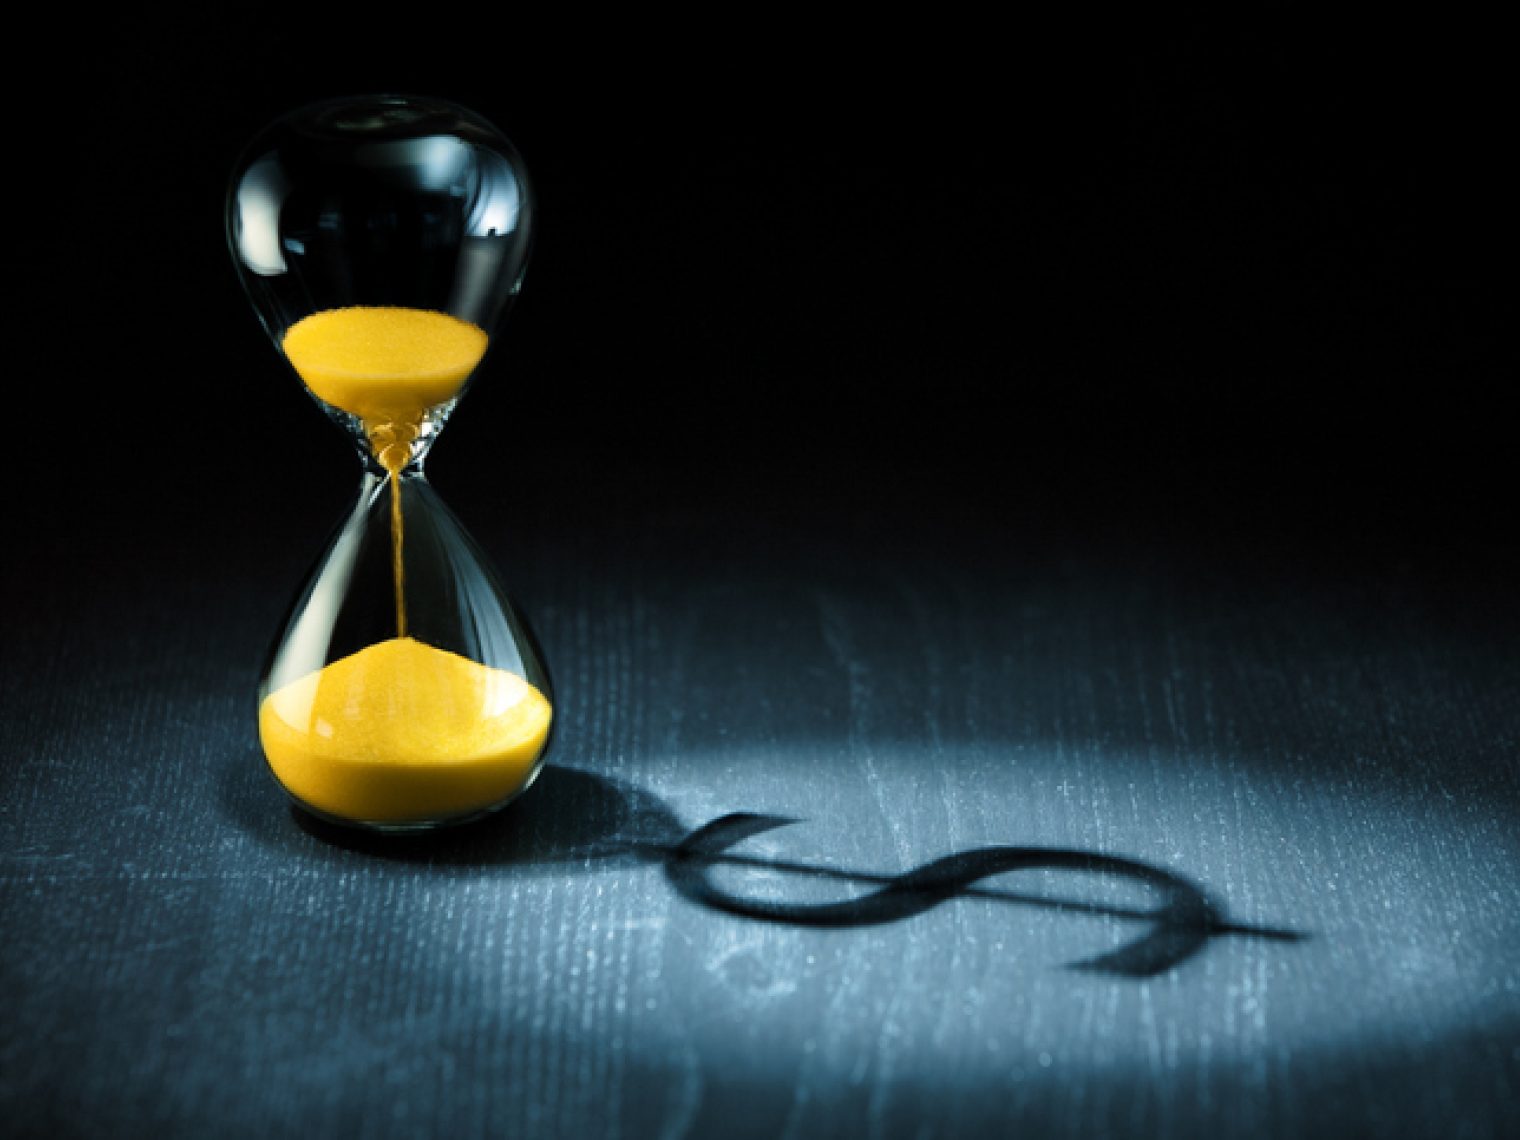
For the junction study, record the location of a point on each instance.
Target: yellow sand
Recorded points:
(389, 366)
(384, 364)
(402, 732)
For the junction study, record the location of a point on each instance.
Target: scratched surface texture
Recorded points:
(879, 829)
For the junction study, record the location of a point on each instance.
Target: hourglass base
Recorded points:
(406, 693)
(402, 827)
(404, 736)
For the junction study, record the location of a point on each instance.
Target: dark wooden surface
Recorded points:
(1332, 759)
(1035, 636)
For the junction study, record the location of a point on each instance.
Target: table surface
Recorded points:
(902, 827)
(1074, 694)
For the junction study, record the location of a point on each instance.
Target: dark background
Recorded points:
(1235, 278)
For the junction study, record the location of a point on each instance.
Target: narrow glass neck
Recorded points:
(396, 449)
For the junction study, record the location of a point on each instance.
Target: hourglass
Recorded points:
(381, 240)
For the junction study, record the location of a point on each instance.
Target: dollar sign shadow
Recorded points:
(1178, 928)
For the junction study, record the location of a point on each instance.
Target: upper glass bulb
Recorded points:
(381, 239)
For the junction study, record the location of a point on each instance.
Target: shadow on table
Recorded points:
(575, 818)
